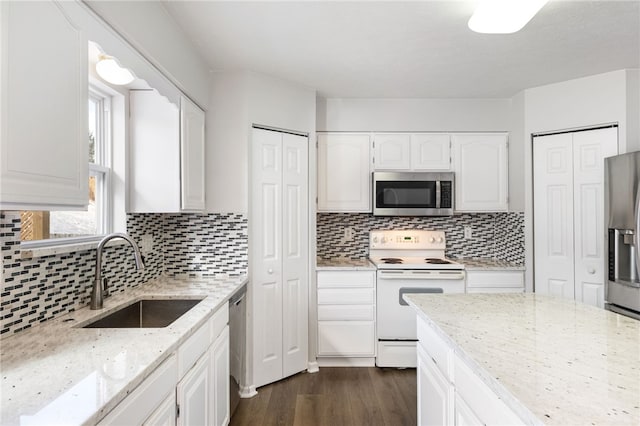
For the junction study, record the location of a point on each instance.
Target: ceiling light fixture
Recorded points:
(110, 71)
(503, 16)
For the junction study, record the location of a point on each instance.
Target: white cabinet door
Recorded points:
(192, 155)
(480, 162)
(344, 172)
(463, 415)
(193, 394)
(220, 379)
(430, 151)
(165, 414)
(505, 281)
(167, 154)
(589, 151)
(553, 213)
(44, 145)
(435, 393)
(392, 151)
(280, 255)
(346, 338)
(569, 228)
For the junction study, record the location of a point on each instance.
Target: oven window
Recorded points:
(405, 194)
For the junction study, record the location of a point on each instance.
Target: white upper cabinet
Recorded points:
(192, 155)
(480, 163)
(392, 151)
(43, 108)
(167, 154)
(344, 172)
(430, 151)
(412, 151)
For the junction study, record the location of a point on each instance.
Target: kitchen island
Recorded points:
(525, 358)
(61, 373)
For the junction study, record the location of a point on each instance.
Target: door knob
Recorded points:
(270, 271)
(591, 271)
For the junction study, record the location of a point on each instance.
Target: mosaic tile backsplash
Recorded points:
(40, 289)
(494, 235)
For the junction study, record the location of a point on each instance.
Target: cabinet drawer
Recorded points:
(346, 313)
(342, 279)
(219, 321)
(356, 296)
(480, 399)
(495, 279)
(495, 290)
(193, 348)
(351, 338)
(435, 348)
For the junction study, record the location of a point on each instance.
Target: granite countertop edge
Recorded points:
(43, 367)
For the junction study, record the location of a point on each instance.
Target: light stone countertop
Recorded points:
(488, 264)
(57, 373)
(566, 362)
(343, 263)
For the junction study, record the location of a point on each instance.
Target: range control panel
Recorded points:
(410, 239)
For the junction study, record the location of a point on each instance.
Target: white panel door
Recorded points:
(295, 232)
(481, 166)
(220, 411)
(192, 155)
(193, 394)
(266, 253)
(392, 151)
(44, 126)
(430, 151)
(553, 215)
(589, 151)
(344, 172)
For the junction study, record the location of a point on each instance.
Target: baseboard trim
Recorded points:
(312, 367)
(247, 392)
(346, 362)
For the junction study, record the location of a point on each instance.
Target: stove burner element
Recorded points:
(435, 261)
(391, 260)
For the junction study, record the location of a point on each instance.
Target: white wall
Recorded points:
(413, 114)
(161, 41)
(239, 100)
(604, 98)
(516, 154)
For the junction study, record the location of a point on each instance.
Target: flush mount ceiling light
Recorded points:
(109, 70)
(503, 16)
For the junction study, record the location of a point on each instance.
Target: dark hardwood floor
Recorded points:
(335, 397)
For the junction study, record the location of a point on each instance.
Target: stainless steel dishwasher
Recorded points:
(237, 345)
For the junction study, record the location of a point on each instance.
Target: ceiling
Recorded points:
(410, 49)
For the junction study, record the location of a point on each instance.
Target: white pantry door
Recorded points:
(589, 151)
(569, 230)
(279, 254)
(553, 214)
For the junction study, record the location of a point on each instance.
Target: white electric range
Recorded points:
(407, 261)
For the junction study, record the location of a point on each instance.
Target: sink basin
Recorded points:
(146, 313)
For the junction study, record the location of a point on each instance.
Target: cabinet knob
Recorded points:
(270, 271)
(591, 271)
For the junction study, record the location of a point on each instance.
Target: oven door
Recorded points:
(395, 319)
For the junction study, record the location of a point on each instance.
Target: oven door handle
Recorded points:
(414, 290)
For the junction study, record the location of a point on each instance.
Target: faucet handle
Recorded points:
(105, 287)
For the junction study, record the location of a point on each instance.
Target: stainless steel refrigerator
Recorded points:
(622, 288)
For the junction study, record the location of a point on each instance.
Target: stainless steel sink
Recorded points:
(146, 313)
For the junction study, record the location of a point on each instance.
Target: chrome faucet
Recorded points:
(99, 291)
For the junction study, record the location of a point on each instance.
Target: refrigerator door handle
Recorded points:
(636, 237)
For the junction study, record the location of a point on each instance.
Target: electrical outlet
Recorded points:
(348, 234)
(146, 244)
(467, 233)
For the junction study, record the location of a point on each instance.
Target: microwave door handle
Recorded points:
(636, 237)
(438, 194)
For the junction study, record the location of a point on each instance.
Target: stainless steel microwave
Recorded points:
(413, 193)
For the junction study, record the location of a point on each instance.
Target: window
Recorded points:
(39, 225)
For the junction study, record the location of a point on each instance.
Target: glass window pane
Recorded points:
(93, 129)
(66, 224)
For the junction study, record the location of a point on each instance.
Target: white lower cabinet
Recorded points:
(435, 393)
(192, 394)
(189, 388)
(165, 414)
(346, 314)
(495, 281)
(449, 392)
